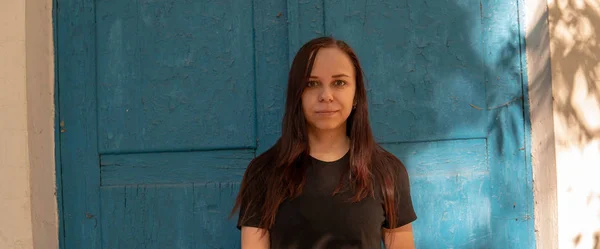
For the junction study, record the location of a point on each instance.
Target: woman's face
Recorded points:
(328, 97)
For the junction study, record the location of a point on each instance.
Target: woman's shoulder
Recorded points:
(384, 158)
(388, 170)
(260, 164)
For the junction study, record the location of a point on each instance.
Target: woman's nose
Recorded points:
(325, 95)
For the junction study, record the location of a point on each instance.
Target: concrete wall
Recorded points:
(28, 217)
(563, 55)
(15, 202)
(543, 150)
(40, 116)
(574, 27)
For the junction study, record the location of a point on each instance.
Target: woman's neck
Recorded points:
(328, 145)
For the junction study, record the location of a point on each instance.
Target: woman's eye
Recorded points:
(312, 84)
(340, 83)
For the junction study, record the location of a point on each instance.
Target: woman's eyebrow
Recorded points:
(340, 75)
(334, 76)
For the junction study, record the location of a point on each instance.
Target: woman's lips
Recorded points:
(326, 113)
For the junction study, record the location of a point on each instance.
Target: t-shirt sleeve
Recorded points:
(405, 212)
(249, 217)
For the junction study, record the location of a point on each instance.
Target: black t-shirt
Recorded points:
(317, 219)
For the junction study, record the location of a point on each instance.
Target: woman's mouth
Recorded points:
(326, 112)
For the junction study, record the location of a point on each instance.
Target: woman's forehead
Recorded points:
(332, 61)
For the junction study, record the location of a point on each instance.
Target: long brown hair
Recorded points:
(278, 173)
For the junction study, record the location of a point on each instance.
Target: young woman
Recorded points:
(325, 183)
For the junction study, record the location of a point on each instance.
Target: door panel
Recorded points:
(168, 216)
(422, 63)
(163, 103)
(450, 183)
(174, 75)
(174, 167)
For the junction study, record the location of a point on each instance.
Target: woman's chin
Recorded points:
(328, 126)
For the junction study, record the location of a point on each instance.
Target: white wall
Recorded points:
(563, 59)
(28, 210)
(15, 203)
(575, 56)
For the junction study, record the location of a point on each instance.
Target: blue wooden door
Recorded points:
(162, 104)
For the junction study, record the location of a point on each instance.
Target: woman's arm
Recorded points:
(399, 238)
(254, 238)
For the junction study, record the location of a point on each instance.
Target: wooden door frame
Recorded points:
(77, 153)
